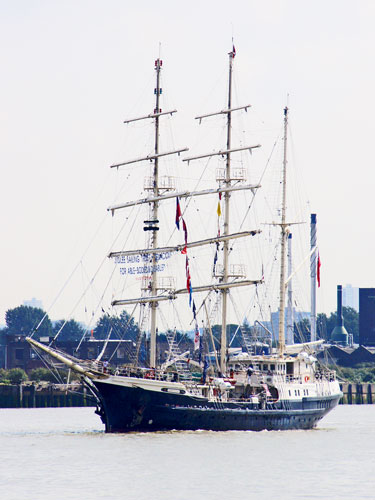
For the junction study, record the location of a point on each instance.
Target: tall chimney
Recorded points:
(340, 320)
(339, 334)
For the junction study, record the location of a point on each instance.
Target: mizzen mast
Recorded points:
(284, 236)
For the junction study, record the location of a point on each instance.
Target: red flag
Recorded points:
(178, 213)
(318, 270)
(184, 250)
(184, 227)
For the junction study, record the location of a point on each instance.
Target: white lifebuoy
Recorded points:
(307, 378)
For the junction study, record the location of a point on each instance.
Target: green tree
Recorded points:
(39, 374)
(4, 376)
(351, 322)
(234, 341)
(361, 373)
(231, 330)
(216, 333)
(16, 376)
(120, 327)
(302, 331)
(72, 330)
(322, 326)
(23, 320)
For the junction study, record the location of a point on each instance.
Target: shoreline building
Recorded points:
(367, 317)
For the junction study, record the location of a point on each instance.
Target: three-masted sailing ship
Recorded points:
(274, 389)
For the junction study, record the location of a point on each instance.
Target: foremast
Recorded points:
(154, 217)
(152, 223)
(284, 237)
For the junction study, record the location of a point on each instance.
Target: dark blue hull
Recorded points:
(131, 409)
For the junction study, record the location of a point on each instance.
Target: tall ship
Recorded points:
(261, 386)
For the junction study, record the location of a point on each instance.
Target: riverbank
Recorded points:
(357, 394)
(44, 395)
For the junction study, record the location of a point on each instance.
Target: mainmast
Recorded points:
(227, 181)
(284, 236)
(223, 349)
(154, 215)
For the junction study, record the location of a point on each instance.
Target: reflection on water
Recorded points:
(64, 453)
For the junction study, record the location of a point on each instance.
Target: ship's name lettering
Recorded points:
(134, 270)
(136, 259)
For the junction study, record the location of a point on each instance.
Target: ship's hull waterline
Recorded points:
(137, 409)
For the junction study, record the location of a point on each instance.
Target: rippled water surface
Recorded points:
(63, 453)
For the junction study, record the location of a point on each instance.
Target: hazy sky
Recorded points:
(73, 70)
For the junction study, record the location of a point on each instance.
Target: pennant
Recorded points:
(188, 278)
(200, 348)
(196, 338)
(178, 213)
(234, 52)
(205, 368)
(318, 270)
(218, 209)
(194, 311)
(184, 227)
(215, 258)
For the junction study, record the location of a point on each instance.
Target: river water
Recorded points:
(63, 453)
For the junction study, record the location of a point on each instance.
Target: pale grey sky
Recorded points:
(72, 71)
